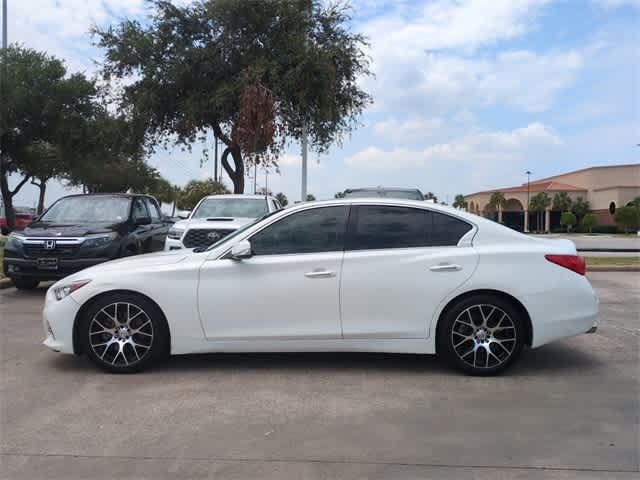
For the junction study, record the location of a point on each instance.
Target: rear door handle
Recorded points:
(445, 267)
(320, 273)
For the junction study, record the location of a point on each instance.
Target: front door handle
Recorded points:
(445, 267)
(320, 273)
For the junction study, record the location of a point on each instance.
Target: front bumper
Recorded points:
(58, 318)
(28, 268)
(172, 244)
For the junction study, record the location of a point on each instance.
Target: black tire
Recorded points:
(481, 335)
(124, 352)
(25, 283)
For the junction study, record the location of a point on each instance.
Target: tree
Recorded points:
(589, 221)
(310, 197)
(561, 202)
(256, 73)
(580, 208)
(628, 217)
(460, 202)
(497, 200)
(568, 220)
(539, 203)
(195, 190)
(431, 196)
(338, 195)
(635, 201)
(165, 192)
(282, 199)
(39, 105)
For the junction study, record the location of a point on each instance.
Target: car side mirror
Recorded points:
(241, 250)
(143, 221)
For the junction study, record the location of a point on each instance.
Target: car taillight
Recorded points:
(572, 262)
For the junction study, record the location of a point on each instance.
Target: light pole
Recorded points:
(303, 192)
(526, 220)
(4, 24)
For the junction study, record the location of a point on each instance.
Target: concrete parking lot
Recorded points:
(567, 410)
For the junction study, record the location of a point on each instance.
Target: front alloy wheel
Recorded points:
(482, 335)
(124, 333)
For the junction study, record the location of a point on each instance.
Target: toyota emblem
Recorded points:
(213, 236)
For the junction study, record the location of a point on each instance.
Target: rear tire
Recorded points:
(25, 283)
(481, 335)
(124, 333)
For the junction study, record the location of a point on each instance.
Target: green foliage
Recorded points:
(311, 197)
(459, 202)
(164, 191)
(497, 200)
(589, 221)
(628, 217)
(540, 202)
(282, 198)
(568, 220)
(580, 207)
(562, 202)
(636, 201)
(338, 195)
(195, 190)
(256, 72)
(431, 196)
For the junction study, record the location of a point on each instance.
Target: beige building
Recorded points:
(605, 188)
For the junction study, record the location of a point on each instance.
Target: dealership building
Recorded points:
(605, 188)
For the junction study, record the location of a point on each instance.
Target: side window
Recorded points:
(154, 213)
(447, 230)
(139, 210)
(309, 231)
(378, 226)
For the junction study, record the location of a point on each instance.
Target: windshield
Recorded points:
(231, 207)
(403, 194)
(88, 209)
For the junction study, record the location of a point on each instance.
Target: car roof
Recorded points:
(383, 189)
(106, 194)
(239, 195)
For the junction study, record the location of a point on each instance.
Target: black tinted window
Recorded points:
(309, 231)
(376, 227)
(447, 230)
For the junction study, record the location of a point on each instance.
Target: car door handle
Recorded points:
(320, 273)
(445, 267)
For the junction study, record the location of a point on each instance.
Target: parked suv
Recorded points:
(384, 192)
(79, 231)
(216, 216)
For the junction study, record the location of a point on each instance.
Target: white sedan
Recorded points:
(371, 275)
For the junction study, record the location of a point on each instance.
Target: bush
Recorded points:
(589, 221)
(568, 220)
(605, 229)
(628, 217)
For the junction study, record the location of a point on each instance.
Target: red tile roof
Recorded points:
(539, 186)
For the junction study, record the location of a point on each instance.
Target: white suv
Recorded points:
(215, 217)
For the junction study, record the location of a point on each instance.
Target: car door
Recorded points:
(288, 289)
(158, 229)
(142, 232)
(399, 264)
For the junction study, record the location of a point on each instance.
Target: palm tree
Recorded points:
(562, 202)
(431, 196)
(498, 202)
(539, 203)
(580, 208)
(459, 202)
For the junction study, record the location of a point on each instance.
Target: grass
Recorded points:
(612, 260)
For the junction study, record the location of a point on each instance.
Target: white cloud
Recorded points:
(617, 3)
(474, 150)
(408, 131)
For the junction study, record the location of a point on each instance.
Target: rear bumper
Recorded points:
(27, 268)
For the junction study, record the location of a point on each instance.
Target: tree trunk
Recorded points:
(43, 191)
(7, 200)
(235, 174)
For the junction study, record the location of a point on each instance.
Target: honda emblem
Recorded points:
(49, 244)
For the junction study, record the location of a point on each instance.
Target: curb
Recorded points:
(613, 268)
(5, 283)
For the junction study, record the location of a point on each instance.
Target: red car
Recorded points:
(22, 220)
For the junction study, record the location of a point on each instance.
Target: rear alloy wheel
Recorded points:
(482, 335)
(25, 283)
(124, 333)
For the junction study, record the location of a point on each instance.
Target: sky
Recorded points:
(467, 94)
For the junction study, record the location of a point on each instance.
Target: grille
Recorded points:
(199, 237)
(38, 251)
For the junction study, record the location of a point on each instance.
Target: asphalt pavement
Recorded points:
(567, 410)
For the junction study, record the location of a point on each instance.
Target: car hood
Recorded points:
(222, 223)
(48, 229)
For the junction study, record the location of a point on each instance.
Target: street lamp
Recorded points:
(528, 203)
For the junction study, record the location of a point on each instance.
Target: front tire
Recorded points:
(481, 335)
(124, 333)
(25, 283)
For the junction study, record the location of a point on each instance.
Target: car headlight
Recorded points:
(175, 233)
(14, 240)
(100, 240)
(65, 290)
